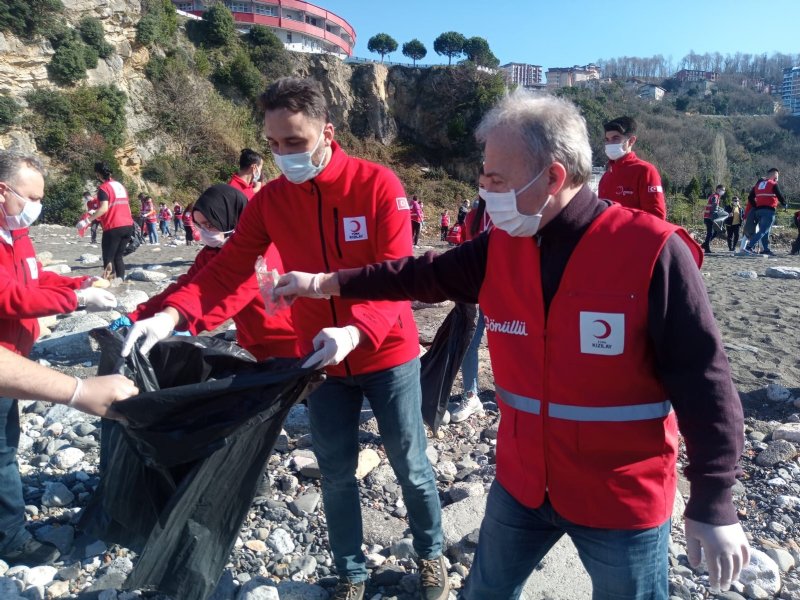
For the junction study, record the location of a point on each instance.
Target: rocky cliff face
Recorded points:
(369, 100)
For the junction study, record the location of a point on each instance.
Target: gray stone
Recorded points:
(281, 541)
(258, 588)
(67, 458)
(297, 422)
(756, 592)
(303, 567)
(403, 548)
(777, 393)
(762, 572)
(462, 518)
(35, 592)
(462, 490)
(60, 536)
(9, 589)
(380, 528)
(782, 558)
(70, 339)
(783, 272)
(305, 504)
(147, 275)
(89, 259)
(787, 431)
(129, 300)
(388, 574)
(746, 274)
(61, 269)
(56, 494)
(293, 590)
(41, 575)
(776, 452)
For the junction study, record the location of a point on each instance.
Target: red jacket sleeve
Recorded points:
(651, 193)
(50, 279)
(215, 289)
(23, 302)
(376, 318)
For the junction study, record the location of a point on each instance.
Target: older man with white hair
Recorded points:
(602, 340)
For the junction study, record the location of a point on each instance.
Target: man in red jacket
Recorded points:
(27, 292)
(628, 179)
(597, 354)
(248, 178)
(330, 211)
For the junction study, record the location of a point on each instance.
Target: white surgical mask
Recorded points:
(502, 207)
(30, 212)
(615, 151)
(300, 167)
(213, 240)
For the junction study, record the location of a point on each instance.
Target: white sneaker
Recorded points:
(470, 405)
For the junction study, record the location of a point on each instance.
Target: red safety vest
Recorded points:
(765, 194)
(711, 205)
(119, 211)
(585, 418)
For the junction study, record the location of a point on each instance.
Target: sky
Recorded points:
(564, 33)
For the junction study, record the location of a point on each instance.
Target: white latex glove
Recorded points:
(332, 345)
(95, 395)
(297, 284)
(83, 223)
(96, 299)
(153, 330)
(726, 551)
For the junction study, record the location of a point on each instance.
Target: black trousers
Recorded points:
(113, 246)
(733, 235)
(415, 227)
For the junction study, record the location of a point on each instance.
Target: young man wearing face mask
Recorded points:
(628, 179)
(329, 211)
(597, 352)
(216, 215)
(27, 292)
(248, 179)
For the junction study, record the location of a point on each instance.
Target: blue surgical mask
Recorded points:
(300, 167)
(30, 212)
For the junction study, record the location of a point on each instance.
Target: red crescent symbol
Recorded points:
(356, 226)
(607, 328)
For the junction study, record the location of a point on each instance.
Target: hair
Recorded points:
(551, 129)
(296, 95)
(85, 194)
(102, 169)
(773, 170)
(623, 125)
(721, 186)
(12, 162)
(248, 158)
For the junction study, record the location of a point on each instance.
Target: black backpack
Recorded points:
(137, 239)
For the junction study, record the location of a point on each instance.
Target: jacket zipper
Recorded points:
(336, 230)
(325, 257)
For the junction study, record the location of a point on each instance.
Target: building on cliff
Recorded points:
(301, 26)
(790, 91)
(521, 74)
(558, 77)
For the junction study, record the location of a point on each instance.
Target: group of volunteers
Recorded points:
(598, 354)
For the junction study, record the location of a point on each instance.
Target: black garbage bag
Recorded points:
(440, 364)
(178, 477)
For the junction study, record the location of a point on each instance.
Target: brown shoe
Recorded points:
(346, 590)
(433, 576)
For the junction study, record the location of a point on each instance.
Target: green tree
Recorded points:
(64, 204)
(693, 190)
(92, 33)
(9, 110)
(382, 43)
(415, 50)
(29, 18)
(477, 51)
(449, 44)
(220, 28)
(69, 63)
(260, 36)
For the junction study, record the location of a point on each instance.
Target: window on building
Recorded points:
(269, 11)
(239, 7)
(312, 21)
(186, 6)
(288, 38)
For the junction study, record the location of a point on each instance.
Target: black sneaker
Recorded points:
(433, 577)
(32, 554)
(346, 590)
(768, 252)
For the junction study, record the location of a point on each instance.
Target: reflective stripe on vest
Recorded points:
(523, 403)
(634, 412)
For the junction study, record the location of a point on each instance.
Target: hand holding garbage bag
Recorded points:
(153, 330)
(96, 395)
(332, 346)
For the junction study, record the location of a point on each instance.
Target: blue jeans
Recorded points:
(623, 564)
(12, 505)
(152, 232)
(164, 226)
(469, 366)
(395, 398)
(765, 217)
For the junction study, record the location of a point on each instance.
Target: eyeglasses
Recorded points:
(20, 196)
